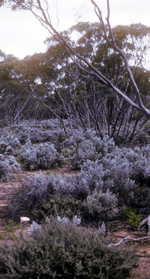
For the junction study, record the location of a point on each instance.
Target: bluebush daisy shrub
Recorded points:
(60, 250)
(8, 166)
(9, 143)
(42, 156)
(37, 191)
(140, 168)
(41, 131)
(102, 206)
(117, 177)
(86, 146)
(44, 196)
(105, 168)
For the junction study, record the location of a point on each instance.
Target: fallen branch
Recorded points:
(146, 222)
(126, 239)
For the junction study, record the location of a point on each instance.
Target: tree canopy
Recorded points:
(40, 9)
(52, 85)
(96, 81)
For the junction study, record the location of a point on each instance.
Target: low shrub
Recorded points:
(60, 250)
(56, 205)
(140, 200)
(110, 177)
(9, 143)
(36, 190)
(42, 156)
(89, 148)
(102, 206)
(41, 131)
(8, 165)
(132, 218)
(110, 173)
(139, 159)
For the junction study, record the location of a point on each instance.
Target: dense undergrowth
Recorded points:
(62, 251)
(110, 178)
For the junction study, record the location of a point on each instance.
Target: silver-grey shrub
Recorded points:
(42, 156)
(8, 166)
(102, 205)
(111, 172)
(34, 190)
(9, 143)
(86, 146)
(140, 165)
(41, 131)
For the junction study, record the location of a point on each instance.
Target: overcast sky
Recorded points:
(21, 34)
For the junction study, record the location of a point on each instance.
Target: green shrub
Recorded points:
(57, 205)
(1, 235)
(62, 251)
(10, 226)
(133, 219)
(140, 200)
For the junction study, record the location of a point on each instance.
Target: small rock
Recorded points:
(24, 220)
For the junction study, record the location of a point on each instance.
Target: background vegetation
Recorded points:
(53, 116)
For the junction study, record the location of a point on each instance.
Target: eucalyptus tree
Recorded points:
(82, 98)
(16, 77)
(40, 10)
(127, 98)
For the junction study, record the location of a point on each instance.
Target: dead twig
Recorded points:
(128, 239)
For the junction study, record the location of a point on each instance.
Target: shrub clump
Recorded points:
(56, 205)
(86, 146)
(102, 205)
(42, 156)
(9, 143)
(60, 250)
(8, 165)
(36, 193)
(132, 218)
(60, 195)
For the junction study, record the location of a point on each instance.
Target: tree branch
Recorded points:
(115, 47)
(22, 108)
(43, 16)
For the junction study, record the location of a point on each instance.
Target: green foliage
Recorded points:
(58, 250)
(1, 235)
(10, 226)
(56, 205)
(133, 219)
(12, 236)
(82, 101)
(140, 200)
